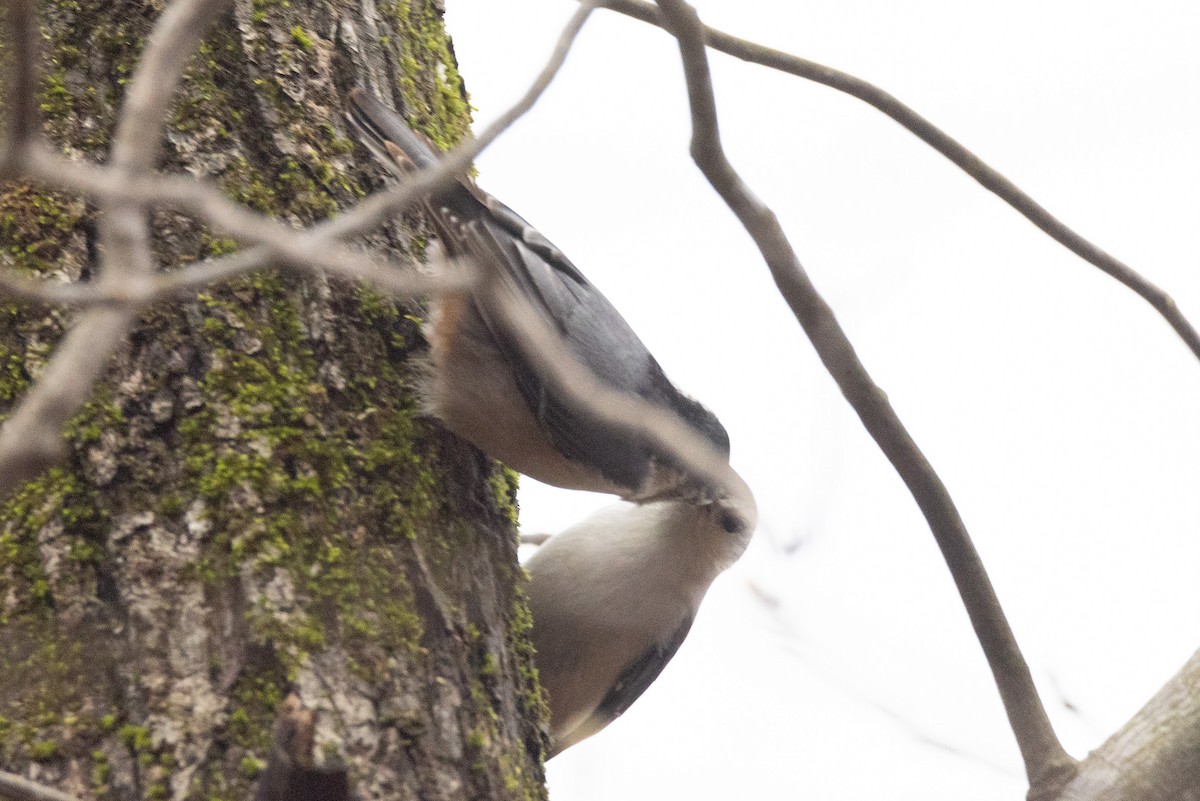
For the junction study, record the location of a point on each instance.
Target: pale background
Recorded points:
(834, 661)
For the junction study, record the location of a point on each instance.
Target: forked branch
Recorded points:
(1046, 763)
(943, 143)
(31, 438)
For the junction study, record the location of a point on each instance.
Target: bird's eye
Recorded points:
(729, 521)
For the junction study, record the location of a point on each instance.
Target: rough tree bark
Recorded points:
(253, 505)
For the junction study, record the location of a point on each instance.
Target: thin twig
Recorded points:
(1044, 756)
(943, 143)
(16, 788)
(382, 206)
(540, 344)
(373, 211)
(398, 281)
(275, 244)
(124, 229)
(31, 440)
(198, 197)
(42, 292)
(175, 37)
(125, 255)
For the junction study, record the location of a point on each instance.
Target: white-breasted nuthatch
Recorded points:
(479, 382)
(613, 598)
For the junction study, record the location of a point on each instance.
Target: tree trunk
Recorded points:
(253, 506)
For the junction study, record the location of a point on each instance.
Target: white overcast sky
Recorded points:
(834, 661)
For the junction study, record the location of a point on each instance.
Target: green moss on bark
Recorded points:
(433, 92)
(255, 468)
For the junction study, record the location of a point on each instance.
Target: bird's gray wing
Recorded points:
(472, 223)
(637, 677)
(634, 680)
(593, 332)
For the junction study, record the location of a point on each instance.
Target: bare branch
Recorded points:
(21, 88)
(176, 35)
(541, 345)
(40, 292)
(125, 239)
(16, 788)
(124, 229)
(1045, 759)
(373, 211)
(1154, 756)
(277, 244)
(400, 281)
(195, 196)
(31, 440)
(943, 143)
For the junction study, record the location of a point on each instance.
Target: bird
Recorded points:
(613, 597)
(478, 380)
